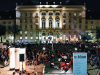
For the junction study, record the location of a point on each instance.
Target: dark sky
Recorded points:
(9, 5)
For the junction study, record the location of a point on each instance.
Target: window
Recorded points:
(50, 23)
(43, 23)
(57, 13)
(64, 26)
(25, 20)
(25, 36)
(74, 26)
(69, 32)
(36, 32)
(36, 36)
(36, 14)
(80, 14)
(31, 26)
(96, 22)
(25, 26)
(64, 14)
(36, 20)
(43, 13)
(25, 32)
(20, 14)
(91, 27)
(69, 26)
(31, 21)
(86, 27)
(20, 36)
(36, 26)
(69, 20)
(21, 26)
(96, 27)
(74, 14)
(74, 20)
(25, 14)
(20, 32)
(91, 22)
(79, 26)
(50, 13)
(9, 22)
(69, 14)
(4, 22)
(86, 22)
(31, 14)
(57, 23)
(64, 21)
(31, 33)
(20, 20)
(80, 21)
(31, 37)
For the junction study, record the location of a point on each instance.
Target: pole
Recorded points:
(22, 68)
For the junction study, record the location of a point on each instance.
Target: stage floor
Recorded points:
(56, 69)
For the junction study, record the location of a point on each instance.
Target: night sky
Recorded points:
(9, 5)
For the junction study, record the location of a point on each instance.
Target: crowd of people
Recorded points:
(4, 56)
(43, 53)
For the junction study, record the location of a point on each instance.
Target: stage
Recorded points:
(56, 70)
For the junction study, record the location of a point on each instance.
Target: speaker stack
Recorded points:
(21, 57)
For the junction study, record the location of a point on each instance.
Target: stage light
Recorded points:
(43, 48)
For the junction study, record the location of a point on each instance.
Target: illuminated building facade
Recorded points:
(51, 23)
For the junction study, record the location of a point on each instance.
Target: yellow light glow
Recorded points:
(39, 37)
(40, 5)
(47, 6)
(54, 6)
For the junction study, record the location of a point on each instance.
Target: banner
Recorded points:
(79, 63)
(12, 58)
(17, 63)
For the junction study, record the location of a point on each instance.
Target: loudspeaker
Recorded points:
(21, 57)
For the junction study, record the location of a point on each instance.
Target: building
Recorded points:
(53, 22)
(7, 19)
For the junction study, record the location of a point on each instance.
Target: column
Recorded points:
(47, 17)
(40, 21)
(60, 19)
(54, 26)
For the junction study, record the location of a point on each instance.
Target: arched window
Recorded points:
(57, 23)
(43, 23)
(50, 23)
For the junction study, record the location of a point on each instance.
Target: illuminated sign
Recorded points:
(80, 64)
